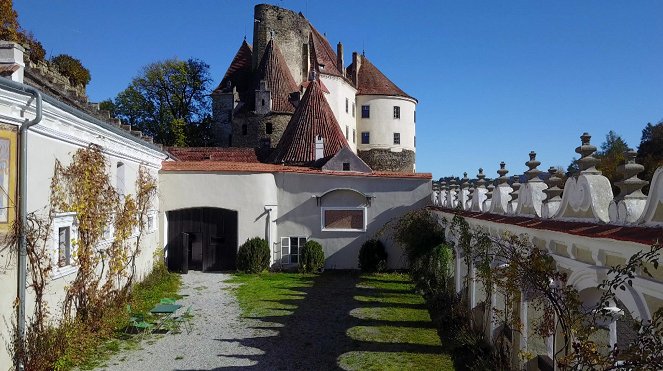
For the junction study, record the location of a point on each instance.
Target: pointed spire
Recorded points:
(274, 71)
(313, 118)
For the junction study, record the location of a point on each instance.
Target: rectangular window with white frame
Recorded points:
(397, 112)
(343, 219)
(63, 239)
(290, 247)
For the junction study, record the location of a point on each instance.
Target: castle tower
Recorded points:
(385, 119)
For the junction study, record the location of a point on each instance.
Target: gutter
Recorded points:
(22, 203)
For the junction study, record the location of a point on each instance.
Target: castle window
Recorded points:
(354, 136)
(415, 116)
(263, 102)
(397, 138)
(365, 137)
(245, 129)
(343, 219)
(397, 112)
(347, 132)
(365, 112)
(269, 128)
(346, 166)
(353, 109)
(347, 104)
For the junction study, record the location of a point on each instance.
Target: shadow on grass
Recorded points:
(320, 329)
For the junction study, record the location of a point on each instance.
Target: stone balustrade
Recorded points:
(584, 197)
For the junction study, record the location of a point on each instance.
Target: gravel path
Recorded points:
(214, 341)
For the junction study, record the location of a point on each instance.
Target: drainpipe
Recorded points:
(22, 203)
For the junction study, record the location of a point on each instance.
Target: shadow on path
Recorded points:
(314, 335)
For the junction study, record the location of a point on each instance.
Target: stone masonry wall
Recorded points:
(385, 160)
(291, 32)
(256, 129)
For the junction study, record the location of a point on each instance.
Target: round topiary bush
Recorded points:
(312, 258)
(253, 256)
(373, 256)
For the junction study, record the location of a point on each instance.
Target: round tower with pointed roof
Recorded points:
(385, 119)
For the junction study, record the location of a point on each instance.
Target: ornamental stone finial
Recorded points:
(481, 183)
(502, 173)
(631, 185)
(533, 172)
(491, 188)
(553, 192)
(465, 182)
(515, 184)
(443, 185)
(554, 183)
(587, 163)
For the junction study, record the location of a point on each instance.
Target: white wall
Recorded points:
(57, 137)
(340, 90)
(382, 125)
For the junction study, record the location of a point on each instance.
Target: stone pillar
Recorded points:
(501, 193)
(11, 61)
(630, 203)
(463, 194)
(453, 194)
(531, 194)
(553, 193)
(489, 197)
(515, 185)
(444, 196)
(480, 191)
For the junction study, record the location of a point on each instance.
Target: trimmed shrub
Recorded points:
(311, 258)
(373, 256)
(253, 256)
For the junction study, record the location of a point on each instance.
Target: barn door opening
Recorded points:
(203, 238)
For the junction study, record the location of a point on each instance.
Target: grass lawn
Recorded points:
(401, 317)
(87, 350)
(261, 295)
(385, 315)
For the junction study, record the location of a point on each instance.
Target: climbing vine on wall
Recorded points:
(513, 267)
(105, 271)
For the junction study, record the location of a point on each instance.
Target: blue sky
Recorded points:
(494, 79)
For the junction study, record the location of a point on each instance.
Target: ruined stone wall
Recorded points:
(291, 32)
(256, 126)
(385, 160)
(222, 110)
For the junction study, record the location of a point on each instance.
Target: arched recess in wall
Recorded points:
(584, 279)
(343, 210)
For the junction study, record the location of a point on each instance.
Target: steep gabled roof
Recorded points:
(239, 72)
(324, 54)
(312, 118)
(371, 81)
(274, 70)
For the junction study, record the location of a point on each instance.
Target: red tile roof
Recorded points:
(312, 118)
(643, 235)
(248, 167)
(324, 53)
(274, 70)
(244, 155)
(371, 81)
(239, 72)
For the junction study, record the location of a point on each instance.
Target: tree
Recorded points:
(9, 28)
(170, 101)
(72, 69)
(650, 151)
(611, 154)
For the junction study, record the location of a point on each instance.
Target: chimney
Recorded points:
(339, 58)
(12, 65)
(356, 65)
(319, 147)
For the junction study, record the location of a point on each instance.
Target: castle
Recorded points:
(265, 82)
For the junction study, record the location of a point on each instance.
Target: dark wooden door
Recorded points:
(211, 242)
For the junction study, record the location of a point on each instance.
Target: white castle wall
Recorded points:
(382, 125)
(339, 91)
